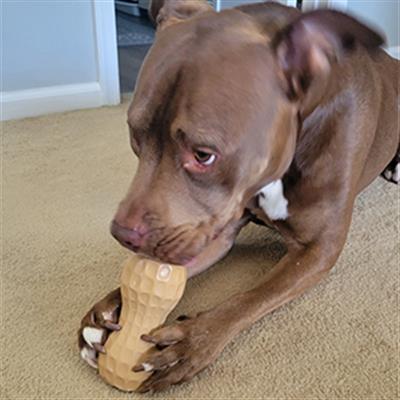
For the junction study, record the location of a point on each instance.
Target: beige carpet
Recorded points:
(63, 176)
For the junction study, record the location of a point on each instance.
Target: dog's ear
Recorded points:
(167, 12)
(309, 45)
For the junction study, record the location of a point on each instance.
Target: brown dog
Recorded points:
(258, 113)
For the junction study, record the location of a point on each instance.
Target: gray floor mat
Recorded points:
(133, 31)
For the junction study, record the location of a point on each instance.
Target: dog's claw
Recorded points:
(143, 367)
(148, 339)
(112, 326)
(99, 348)
(97, 324)
(181, 350)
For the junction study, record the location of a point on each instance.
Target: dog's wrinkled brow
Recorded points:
(197, 138)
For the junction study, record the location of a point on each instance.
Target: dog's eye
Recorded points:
(204, 158)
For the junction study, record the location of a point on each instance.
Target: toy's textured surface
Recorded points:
(149, 291)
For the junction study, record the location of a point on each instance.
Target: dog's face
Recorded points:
(215, 117)
(210, 126)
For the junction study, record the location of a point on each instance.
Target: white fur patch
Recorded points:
(147, 367)
(89, 355)
(92, 335)
(108, 315)
(272, 200)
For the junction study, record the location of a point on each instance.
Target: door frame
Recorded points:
(105, 32)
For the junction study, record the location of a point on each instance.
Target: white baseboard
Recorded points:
(394, 51)
(46, 100)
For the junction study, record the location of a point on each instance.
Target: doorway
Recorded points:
(135, 35)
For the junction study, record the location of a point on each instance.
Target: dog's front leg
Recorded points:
(191, 344)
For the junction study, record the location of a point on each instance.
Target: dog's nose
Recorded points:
(132, 238)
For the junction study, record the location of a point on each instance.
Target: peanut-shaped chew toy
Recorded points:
(149, 292)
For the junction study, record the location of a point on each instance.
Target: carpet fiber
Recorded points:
(63, 177)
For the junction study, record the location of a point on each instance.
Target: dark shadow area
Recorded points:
(135, 35)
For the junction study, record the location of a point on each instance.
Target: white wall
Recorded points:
(233, 3)
(385, 14)
(47, 43)
(53, 55)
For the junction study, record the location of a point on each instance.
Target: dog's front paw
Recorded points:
(182, 350)
(97, 324)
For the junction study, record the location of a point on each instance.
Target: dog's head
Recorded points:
(214, 118)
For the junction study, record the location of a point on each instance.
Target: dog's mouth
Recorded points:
(215, 250)
(190, 246)
(196, 248)
(176, 245)
(193, 246)
(183, 245)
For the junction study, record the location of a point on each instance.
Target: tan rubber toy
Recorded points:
(149, 292)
